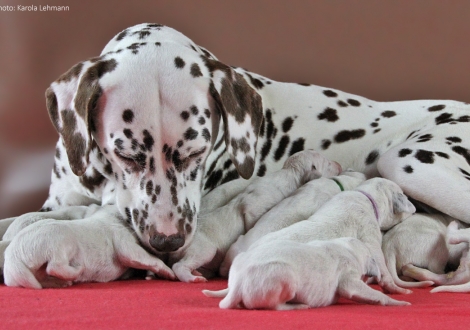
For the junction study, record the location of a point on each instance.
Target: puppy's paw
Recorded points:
(185, 274)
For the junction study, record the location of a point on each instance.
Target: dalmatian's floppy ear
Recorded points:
(72, 104)
(242, 112)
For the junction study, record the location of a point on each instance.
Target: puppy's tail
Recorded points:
(20, 275)
(216, 294)
(452, 288)
(391, 265)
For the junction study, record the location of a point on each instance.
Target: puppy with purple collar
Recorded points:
(375, 205)
(286, 275)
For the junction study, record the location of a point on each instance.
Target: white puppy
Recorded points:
(218, 229)
(286, 275)
(54, 253)
(15, 225)
(377, 204)
(304, 202)
(420, 240)
(458, 281)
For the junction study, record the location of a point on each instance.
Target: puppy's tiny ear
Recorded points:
(401, 204)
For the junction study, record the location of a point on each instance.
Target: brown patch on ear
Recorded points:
(75, 143)
(51, 104)
(73, 72)
(238, 99)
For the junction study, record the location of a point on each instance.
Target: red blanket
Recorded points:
(158, 304)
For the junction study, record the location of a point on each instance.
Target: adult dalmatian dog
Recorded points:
(156, 122)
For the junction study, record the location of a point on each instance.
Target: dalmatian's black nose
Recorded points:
(163, 243)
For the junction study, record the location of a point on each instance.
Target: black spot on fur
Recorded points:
(354, 103)
(404, 152)
(261, 170)
(195, 70)
(149, 188)
(345, 135)
(194, 110)
(297, 145)
(184, 115)
(148, 140)
(231, 175)
(462, 152)
(213, 180)
(57, 153)
(287, 124)
(425, 138)
(437, 107)
(128, 215)
(454, 139)
(325, 144)
(376, 130)
(410, 135)
(408, 169)
(265, 149)
(329, 114)
(128, 133)
(258, 84)
(118, 143)
(388, 114)
(281, 149)
(424, 156)
(374, 124)
(444, 118)
(372, 157)
(158, 44)
(152, 165)
(128, 116)
(342, 104)
(202, 120)
(330, 93)
(442, 154)
(190, 134)
(179, 63)
(206, 134)
(207, 113)
(121, 35)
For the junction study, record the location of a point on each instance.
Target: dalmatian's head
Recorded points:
(154, 103)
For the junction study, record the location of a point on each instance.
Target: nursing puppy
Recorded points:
(16, 224)
(458, 281)
(100, 248)
(420, 240)
(304, 202)
(286, 275)
(377, 204)
(218, 229)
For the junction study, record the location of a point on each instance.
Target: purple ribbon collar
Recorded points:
(374, 204)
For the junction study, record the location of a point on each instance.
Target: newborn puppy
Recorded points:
(285, 275)
(304, 202)
(420, 240)
(218, 229)
(13, 226)
(54, 253)
(375, 205)
(458, 281)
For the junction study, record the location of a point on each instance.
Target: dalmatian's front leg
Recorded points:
(433, 167)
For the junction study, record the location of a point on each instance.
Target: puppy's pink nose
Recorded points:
(163, 243)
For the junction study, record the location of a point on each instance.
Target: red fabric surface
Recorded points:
(158, 304)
